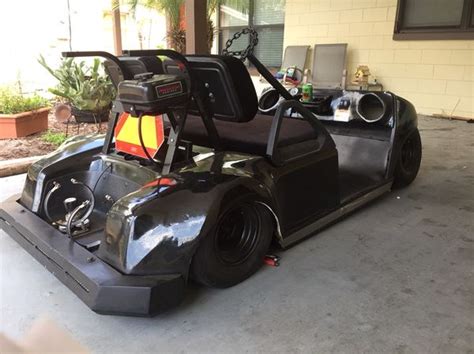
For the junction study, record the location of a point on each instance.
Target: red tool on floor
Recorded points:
(272, 260)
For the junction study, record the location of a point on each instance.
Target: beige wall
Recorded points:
(436, 76)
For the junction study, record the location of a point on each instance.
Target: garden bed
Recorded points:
(35, 145)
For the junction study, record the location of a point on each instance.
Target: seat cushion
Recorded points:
(250, 137)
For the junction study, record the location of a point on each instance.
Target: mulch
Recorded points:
(33, 145)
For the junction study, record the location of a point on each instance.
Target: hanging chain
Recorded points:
(243, 54)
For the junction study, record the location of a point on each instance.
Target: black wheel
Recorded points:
(237, 244)
(409, 161)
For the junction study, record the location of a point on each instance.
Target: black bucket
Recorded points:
(85, 116)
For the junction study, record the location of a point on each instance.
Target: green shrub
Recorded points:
(54, 138)
(12, 103)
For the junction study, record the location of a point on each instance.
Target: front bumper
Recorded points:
(101, 287)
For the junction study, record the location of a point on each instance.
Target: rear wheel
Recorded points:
(235, 247)
(409, 161)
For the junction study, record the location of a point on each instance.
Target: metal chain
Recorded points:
(243, 54)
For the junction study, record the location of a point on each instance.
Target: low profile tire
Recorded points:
(236, 246)
(409, 161)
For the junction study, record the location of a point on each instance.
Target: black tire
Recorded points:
(235, 247)
(409, 161)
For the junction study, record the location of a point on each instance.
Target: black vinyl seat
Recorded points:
(249, 137)
(233, 103)
(235, 107)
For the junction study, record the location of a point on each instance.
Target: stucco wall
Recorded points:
(436, 76)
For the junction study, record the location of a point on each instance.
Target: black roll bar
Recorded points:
(196, 92)
(126, 73)
(322, 136)
(270, 78)
(178, 126)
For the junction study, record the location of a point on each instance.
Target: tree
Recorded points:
(172, 10)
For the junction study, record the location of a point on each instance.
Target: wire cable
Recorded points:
(140, 137)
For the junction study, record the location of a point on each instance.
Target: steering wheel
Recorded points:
(242, 54)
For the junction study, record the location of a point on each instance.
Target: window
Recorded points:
(434, 19)
(266, 16)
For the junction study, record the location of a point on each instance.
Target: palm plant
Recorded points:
(176, 36)
(212, 6)
(171, 8)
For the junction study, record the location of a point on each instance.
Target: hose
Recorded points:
(70, 223)
(56, 186)
(74, 213)
(92, 198)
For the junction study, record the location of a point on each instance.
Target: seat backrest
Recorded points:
(231, 91)
(134, 65)
(329, 63)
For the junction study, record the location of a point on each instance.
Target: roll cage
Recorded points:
(199, 101)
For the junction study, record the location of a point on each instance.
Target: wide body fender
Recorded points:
(157, 229)
(407, 118)
(72, 153)
(406, 122)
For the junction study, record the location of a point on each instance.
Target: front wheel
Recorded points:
(409, 161)
(237, 244)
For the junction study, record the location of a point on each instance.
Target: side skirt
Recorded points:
(335, 215)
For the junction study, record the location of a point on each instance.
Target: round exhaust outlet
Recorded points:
(269, 101)
(371, 108)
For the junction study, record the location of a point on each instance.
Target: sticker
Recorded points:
(342, 115)
(127, 139)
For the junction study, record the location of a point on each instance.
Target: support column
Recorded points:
(196, 27)
(116, 28)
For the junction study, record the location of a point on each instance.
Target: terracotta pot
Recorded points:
(23, 124)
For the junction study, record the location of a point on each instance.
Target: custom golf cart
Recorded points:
(193, 181)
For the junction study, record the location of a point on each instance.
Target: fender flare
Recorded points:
(163, 233)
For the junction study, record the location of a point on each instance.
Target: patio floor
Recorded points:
(396, 276)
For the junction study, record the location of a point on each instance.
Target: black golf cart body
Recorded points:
(148, 221)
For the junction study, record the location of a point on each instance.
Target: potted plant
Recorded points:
(86, 88)
(21, 115)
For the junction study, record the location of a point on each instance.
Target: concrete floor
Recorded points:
(395, 277)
